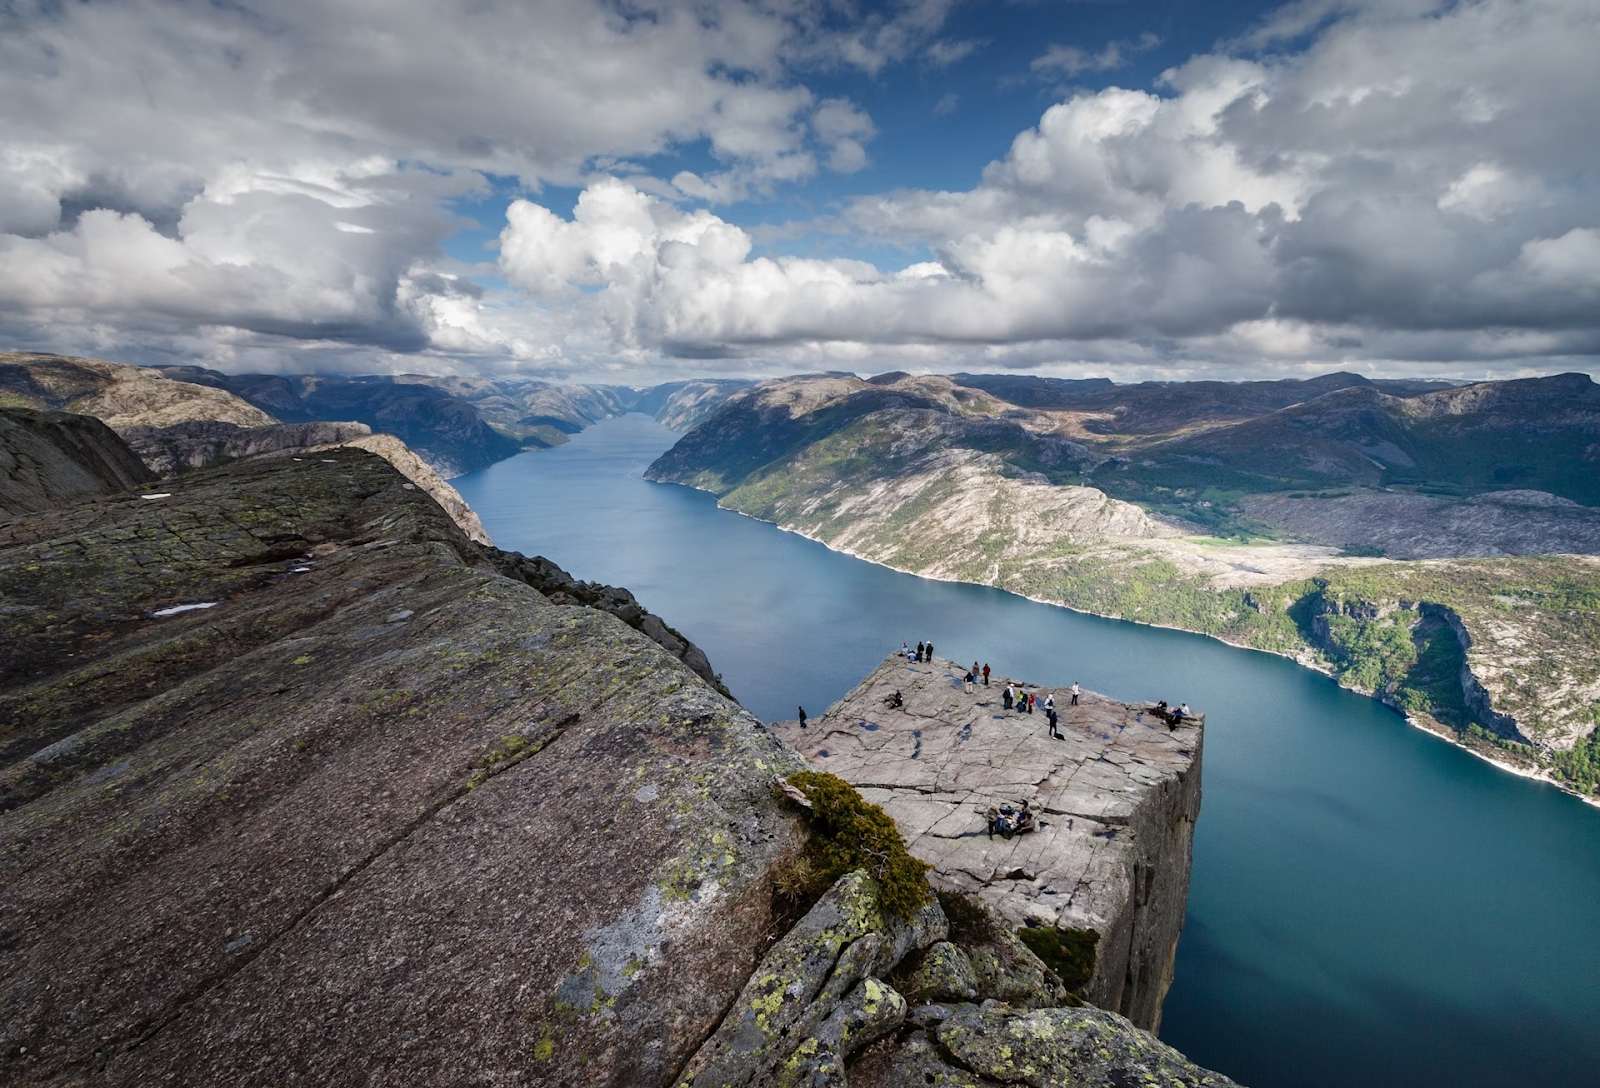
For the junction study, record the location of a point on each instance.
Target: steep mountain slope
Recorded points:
(1533, 433)
(50, 459)
(948, 481)
(443, 429)
(680, 405)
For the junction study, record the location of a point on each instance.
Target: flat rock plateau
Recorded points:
(1118, 798)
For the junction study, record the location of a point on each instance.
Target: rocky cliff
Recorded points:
(50, 459)
(298, 784)
(1099, 891)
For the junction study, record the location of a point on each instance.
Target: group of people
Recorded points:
(1006, 821)
(1170, 716)
(923, 652)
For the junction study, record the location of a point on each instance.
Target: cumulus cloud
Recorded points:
(240, 171)
(1353, 179)
(1416, 182)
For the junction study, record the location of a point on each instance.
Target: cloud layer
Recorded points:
(260, 184)
(1419, 183)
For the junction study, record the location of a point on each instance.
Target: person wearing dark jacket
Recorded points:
(802, 717)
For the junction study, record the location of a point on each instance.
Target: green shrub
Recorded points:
(1070, 953)
(848, 833)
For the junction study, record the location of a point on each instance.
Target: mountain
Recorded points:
(444, 430)
(1113, 505)
(117, 394)
(679, 406)
(1532, 434)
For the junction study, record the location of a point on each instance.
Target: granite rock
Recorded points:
(1103, 882)
(296, 787)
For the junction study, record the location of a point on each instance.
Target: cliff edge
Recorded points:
(1099, 890)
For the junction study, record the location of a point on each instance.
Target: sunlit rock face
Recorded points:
(1099, 890)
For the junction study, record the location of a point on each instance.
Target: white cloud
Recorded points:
(1356, 179)
(1340, 202)
(279, 170)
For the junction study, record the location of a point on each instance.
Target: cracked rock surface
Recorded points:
(296, 787)
(1117, 799)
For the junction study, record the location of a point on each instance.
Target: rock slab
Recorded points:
(1108, 870)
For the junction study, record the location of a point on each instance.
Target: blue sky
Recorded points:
(579, 189)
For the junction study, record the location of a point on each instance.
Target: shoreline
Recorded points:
(1538, 775)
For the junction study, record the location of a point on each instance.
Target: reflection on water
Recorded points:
(1370, 906)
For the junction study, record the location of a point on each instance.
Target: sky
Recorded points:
(653, 190)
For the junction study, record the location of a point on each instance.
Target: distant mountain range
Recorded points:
(1224, 508)
(455, 424)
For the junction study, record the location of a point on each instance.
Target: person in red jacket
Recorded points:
(985, 674)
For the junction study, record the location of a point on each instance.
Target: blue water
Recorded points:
(1370, 907)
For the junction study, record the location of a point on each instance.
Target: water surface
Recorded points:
(1370, 906)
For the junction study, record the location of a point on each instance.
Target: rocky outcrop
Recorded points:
(183, 447)
(1407, 525)
(840, 1001)
(563, 588)
(298, 788)
(420, 473)
(50, 459)
(1098, 892)
(118, 395)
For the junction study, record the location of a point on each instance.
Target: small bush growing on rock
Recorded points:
(1070, 953)
(848, 833)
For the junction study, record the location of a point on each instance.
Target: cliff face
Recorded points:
(366, 810)
(50, 459)
(299, 784)
(1100, 889)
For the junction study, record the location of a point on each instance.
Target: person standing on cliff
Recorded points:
(802, 717)
(930, 651)
(1050, 716)
(919, 651)
(1076, 691)
(1006, 697)
(985, 674)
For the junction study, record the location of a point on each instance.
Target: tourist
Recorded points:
(905, 651)
(1050, 702)
(1031, 700)
(802, 717)
(1050, 714)
(930, 651)
(895, 701)
(1076, 691)
(1006, 697)
(1183, 712)
(919, 651)
(974, 672)
(985, 674)
(967, 681)
(1025, 819)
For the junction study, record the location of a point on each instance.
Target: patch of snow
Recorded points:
(177, 608)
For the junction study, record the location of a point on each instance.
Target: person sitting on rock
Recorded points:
(1181, 713)
(1025, 819)
(1002, 819)
(895, 701)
